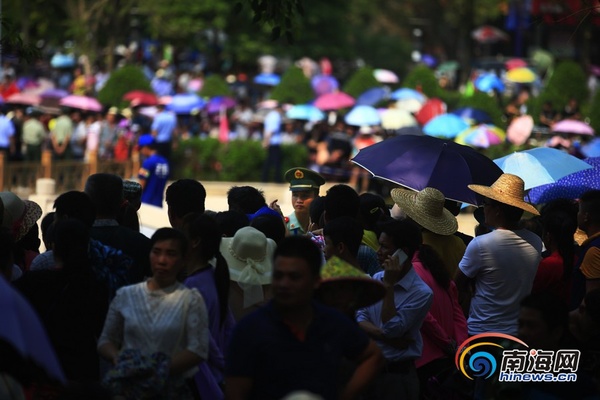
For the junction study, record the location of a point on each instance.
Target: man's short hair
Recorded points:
(185, 196)
(303, 248)
(405, 234)
(231, 221)
(76, 205)
(246, 199)
(341, 200)
(590, 201)
(163, 234)
(345, 230)
(106, 192)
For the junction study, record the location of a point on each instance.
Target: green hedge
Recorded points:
(238, 160)
(120, 82)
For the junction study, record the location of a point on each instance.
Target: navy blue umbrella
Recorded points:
(372, 96)
(417, 162)
(474, 114)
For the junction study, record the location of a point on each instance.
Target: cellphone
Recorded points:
(401, 255)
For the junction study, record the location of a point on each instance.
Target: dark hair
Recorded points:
(453, 206)
(185, 196)
(245, 199)
(372, 210)
(562, 227)
(128, 217)
(553, 309)
(6, 248)
(511, 213)
(303, 248)
(591, 200)
(47, 221)
(106, 192)
(592, 305)
(205, 228)
(271, 225)
(231, 221)
(406, 234)
(71, 244)
(533, 224)
(77, 205)
(345, 230)
(316, 209)
(163, 234)
(341, 200)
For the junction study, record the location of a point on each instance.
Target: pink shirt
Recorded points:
(444, 321)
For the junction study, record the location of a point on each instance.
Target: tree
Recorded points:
(362, 80)
(214, 85)
(422, 78)
(120, 82)
(293, 88)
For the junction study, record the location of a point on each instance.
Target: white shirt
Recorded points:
(503, 264)
(167, 320)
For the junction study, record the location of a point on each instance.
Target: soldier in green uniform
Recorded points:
(304, 185)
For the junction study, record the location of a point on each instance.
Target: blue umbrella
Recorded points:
(161, 87)
(363, 115)
(592, 149)
(407, 94)
(372, 96)
(417, 162)
(267, 79)
(305, 112)
(571, 186)
(60, 60)
(445, 126)
(185, 103)
(323, 84)
(541, 165)
(474, 114)
(487, 82)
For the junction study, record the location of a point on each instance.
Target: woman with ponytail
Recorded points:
(212, 281)
(554, 271)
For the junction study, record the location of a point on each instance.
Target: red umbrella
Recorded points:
(431, 109)
(488, 34)
(334, 101)
(81, 102)
(28, 99)
(515, 63)
(140, 97)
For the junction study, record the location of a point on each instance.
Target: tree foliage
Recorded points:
(120, 82)
(294, 88)
(422, 78)
(214, 85)
(362, 80)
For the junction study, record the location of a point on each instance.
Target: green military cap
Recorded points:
(303, 179)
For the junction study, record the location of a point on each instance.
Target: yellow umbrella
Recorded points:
(521, 75)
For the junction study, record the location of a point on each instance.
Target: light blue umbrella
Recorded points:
(407, 94)
(305, 112)
(540, 166)
(489, 81)
(185, 103)
(267, 79)
(571, 186)
(372, 96)
(445, 126)
(592, 149)
(363, 115)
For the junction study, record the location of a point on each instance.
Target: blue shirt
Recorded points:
(7, 130)
(264, 349)
(164, 124)
(412, 298)
(273, 127)
(155, 170)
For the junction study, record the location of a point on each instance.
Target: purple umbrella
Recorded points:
(571, 186)
(573, 126)
(54, 93)
(218, 102)
(417, 162)
(323, 84)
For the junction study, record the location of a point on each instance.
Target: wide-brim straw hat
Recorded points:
(249, 256)
(508, 189)
(426, 208)
(369, 291)
(19, 215)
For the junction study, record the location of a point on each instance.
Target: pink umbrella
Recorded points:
(519, 130)
(515, 63)
(385, 76)
(334, 101)
(28, 99)
(573, 126)
(81, 102)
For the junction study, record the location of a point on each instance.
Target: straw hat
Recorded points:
(369, 290)
(249, 255)
(508, 189)
(426, 208)
(19, 215)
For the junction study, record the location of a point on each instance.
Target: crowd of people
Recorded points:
(345, 298)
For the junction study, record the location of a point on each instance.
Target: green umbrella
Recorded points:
(542, 59)
(448, 66)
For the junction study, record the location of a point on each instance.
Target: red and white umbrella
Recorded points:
(84, 103)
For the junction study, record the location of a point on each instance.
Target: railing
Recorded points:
(20, 177)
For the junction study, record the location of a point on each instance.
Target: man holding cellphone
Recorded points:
(394, 322)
